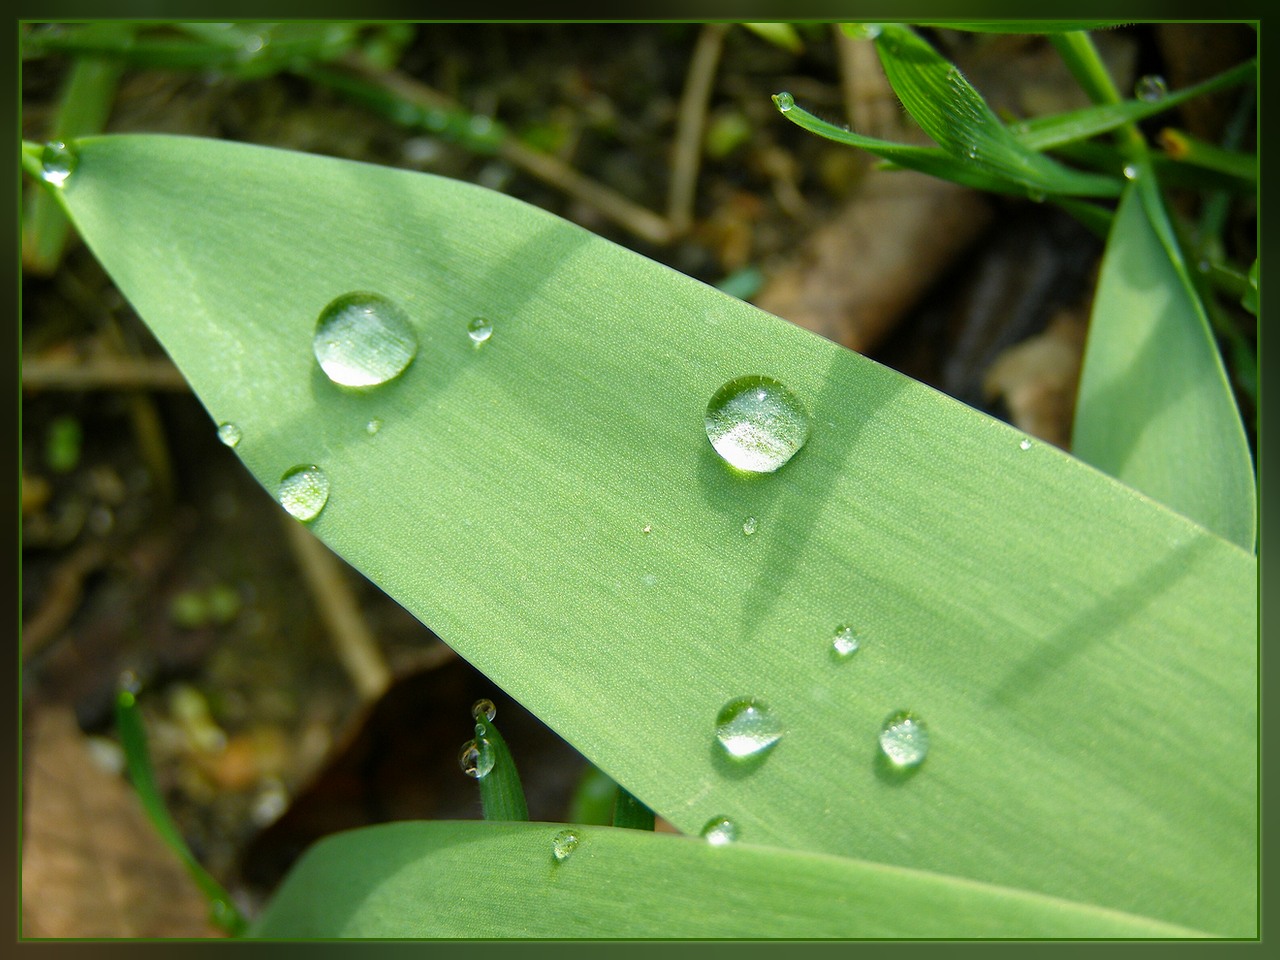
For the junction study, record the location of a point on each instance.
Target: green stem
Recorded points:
(133, 737)
(501, 793)
(1082, 59)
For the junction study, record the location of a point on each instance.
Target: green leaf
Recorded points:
(1155, 407)
(782, 35)
(1085, 659)
(954, 114)
(477, 880)
(501, 792)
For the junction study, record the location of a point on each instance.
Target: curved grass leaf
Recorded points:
(476, 879)
(1155, 407)
(954, 114)
(1085, 659)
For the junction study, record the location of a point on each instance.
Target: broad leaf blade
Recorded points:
(1085, 659)
(1155, 407)
(470, 879)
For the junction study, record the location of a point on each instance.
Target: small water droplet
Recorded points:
(484, 708)
(971, 152)
(304, 490)
(373, 426)
(747, 727)
(749, 526)
(1131, 171)
(719, 831)
(756, 424)
(845, 641)
(563, 844)
(784, 101)
(129, 682)
(476, 758)
(479, 330)
(1025, 445)
(229, 434)
(904, 739)
(57, 162)
(647, 528)
(363, 340)
(1151, 88)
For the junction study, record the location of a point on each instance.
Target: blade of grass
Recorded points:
(407, 880)
(954, 114)
(1155, 408)
(501, 793)
(133, 736)
(1085, 658)
(630, 813)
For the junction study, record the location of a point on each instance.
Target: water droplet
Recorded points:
(719, 831)
(1025, 445)
(756, 424)
(866, 31)
(647, 528)
(304, 490)
(476, 758)
(229, 434)
(484, 708)
(747, 727)
(904, 739)
(480, 330)
(749, 526)
(1151, 88)
(1131, 171)
(784, 101)
(563, 844)
(57, 162)
(845, 641)
(373, 426)
(363, 340)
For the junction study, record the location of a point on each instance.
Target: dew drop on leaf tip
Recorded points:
(476, 758)
(747, 727)
(304, 491)
(57, 162)
(363, 340)
(756, 424)
(484, 708)
(784, 101)
(1151, 89)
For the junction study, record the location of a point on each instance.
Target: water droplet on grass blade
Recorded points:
(373, 426)
(747, 727)
(1151, 88)
(484, 708)
(719, 831)
(904, 739)
(57, 162)
(304, 490)
(480, 330)
(756, 424)
(1024, 445)
(1131, 171)
(563, 844)
(749, 526)
(845, 641)
(363, 340)
(476, 758)
(784, 101)
(229, 434)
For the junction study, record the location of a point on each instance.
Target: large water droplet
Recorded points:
(719, 831)
(845, 641)
(747, 727)
(304, 490)
(57, 162)
(904, 739)
(476, 758)
(784, 101)
(750, 525)
(363, 340)
(229, 434)
(480, 330)
(563, 844)
(1151, 88)
(484, 708)
(756, 424)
